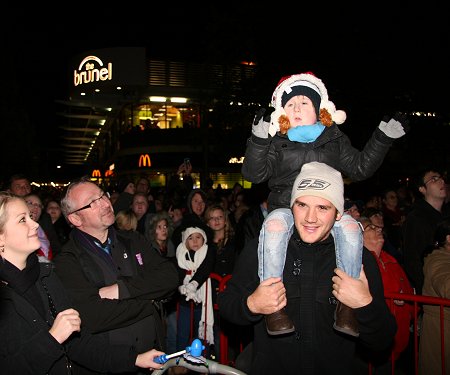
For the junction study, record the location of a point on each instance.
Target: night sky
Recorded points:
(366, 57)
(378, 49)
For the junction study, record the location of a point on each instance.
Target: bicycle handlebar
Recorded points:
(211, 367)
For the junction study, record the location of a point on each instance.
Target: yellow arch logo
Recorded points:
(144, 161)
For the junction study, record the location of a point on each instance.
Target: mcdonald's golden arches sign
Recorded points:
(144, 161)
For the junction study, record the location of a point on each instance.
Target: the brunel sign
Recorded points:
(92, 69)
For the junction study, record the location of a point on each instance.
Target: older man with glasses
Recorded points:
(420, 223)
(113, 276)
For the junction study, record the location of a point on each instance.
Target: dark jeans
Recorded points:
(184, 337)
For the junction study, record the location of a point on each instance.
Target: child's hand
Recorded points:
(191, 291)
(192, 286)
(261, 123)
(396, 127)
(188, 289)
(182, 289)
(193, 296)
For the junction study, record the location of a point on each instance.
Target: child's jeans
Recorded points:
(184, 332)
(277, 229)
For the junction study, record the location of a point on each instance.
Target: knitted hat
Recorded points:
(188, 231)
(301, 88)
(309, 85)
(320, 180)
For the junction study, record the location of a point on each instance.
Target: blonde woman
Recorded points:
(41, 332)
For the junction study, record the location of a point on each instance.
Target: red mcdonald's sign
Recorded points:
(96, 173)
(144, 161)
(109, 173)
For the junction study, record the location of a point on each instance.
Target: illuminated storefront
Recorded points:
(145, 116)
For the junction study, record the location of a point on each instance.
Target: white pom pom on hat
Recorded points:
(309, 80)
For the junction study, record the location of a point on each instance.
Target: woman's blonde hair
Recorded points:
(5, 199)
(126, 220)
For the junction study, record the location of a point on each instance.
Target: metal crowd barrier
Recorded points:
(417, 301)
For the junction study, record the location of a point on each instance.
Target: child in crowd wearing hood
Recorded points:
(195, 263)
(301, 129)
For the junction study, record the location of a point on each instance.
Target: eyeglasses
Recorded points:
(94, 203)
(373, 227)
(433, 179)
(217, 218)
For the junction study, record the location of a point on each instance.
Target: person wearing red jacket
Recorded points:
(394, 281)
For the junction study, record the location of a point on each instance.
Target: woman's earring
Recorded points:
(2, 248)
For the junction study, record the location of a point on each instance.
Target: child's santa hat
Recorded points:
(309, 85)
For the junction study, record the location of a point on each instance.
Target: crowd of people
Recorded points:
(170, 230)
(100, 279)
